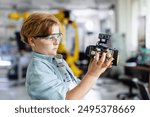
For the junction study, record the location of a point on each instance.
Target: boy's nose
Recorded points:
(56, 41)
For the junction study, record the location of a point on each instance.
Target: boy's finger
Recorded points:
(102, 59)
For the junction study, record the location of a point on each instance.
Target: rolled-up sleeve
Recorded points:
(44, 84)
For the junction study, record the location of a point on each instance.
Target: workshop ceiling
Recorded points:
(51, 4)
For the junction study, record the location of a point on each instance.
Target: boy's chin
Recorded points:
(54, 53)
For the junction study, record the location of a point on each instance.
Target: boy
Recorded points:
(48, 75)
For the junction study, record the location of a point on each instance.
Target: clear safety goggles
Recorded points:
(55, 36)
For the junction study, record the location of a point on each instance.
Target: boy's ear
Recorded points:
(31, 41)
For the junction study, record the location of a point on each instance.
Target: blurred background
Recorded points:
(127, 21)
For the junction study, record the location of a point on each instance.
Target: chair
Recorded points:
(143, 90)
(127, 80)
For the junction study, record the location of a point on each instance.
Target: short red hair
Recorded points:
(38, 25)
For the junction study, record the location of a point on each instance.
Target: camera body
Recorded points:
(101, 46)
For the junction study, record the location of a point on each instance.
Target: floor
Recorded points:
(107, 89)
(104, 89)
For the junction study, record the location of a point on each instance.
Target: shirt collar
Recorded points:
(48, 57)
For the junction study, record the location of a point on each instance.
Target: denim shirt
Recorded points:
(47, 77)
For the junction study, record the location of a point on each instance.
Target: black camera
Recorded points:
(101, 46)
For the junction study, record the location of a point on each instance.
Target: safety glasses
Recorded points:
(55, 36)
